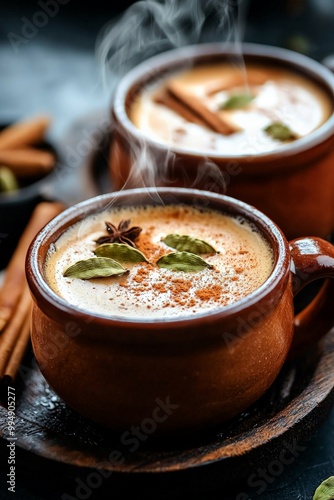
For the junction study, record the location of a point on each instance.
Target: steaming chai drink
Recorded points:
(223, 109)
(165, 262)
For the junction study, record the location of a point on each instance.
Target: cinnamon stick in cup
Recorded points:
(176, 105)
(212, 119)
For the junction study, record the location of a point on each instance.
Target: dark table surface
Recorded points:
(56, 68)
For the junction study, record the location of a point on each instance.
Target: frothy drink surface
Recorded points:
(242, 263)
(278, 95)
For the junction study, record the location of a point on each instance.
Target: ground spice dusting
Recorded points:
(151, 291)
(159, 287)
(142, 273)
(211, 292)
(181, 286)
(179, 301)
(191, 303)
(178, 290)
(152, 251)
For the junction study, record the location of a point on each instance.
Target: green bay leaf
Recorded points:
(185, 243)
(326, 490)
(120, 252)
(280, 132)
(237, 101)
(183, 261)
(96, 267)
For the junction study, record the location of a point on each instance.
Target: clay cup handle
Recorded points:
(312, 258)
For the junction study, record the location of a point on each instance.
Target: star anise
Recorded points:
(121, 234)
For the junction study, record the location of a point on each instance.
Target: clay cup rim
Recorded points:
(56, 307)
(169, 61)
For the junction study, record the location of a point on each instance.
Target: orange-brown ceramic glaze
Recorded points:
(175, 375)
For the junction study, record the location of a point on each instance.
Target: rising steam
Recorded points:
(150, 27)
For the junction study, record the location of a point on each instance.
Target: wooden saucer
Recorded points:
(288, 414)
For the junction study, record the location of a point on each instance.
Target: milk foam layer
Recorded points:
(242, 263)
(285, 97)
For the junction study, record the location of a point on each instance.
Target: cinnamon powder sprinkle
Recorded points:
(181, 286)
(211, 292)
(141, 274)
(178, 290)
(151, 292)
(159, 287)
(152, 250)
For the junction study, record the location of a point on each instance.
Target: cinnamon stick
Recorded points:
(14, 279)
(27, 161)
(18, 352)
(24, 133)
(170, 102)
(212, 119)
(10, 335)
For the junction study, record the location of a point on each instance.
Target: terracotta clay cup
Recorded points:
(296, 178)
(180, 374)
